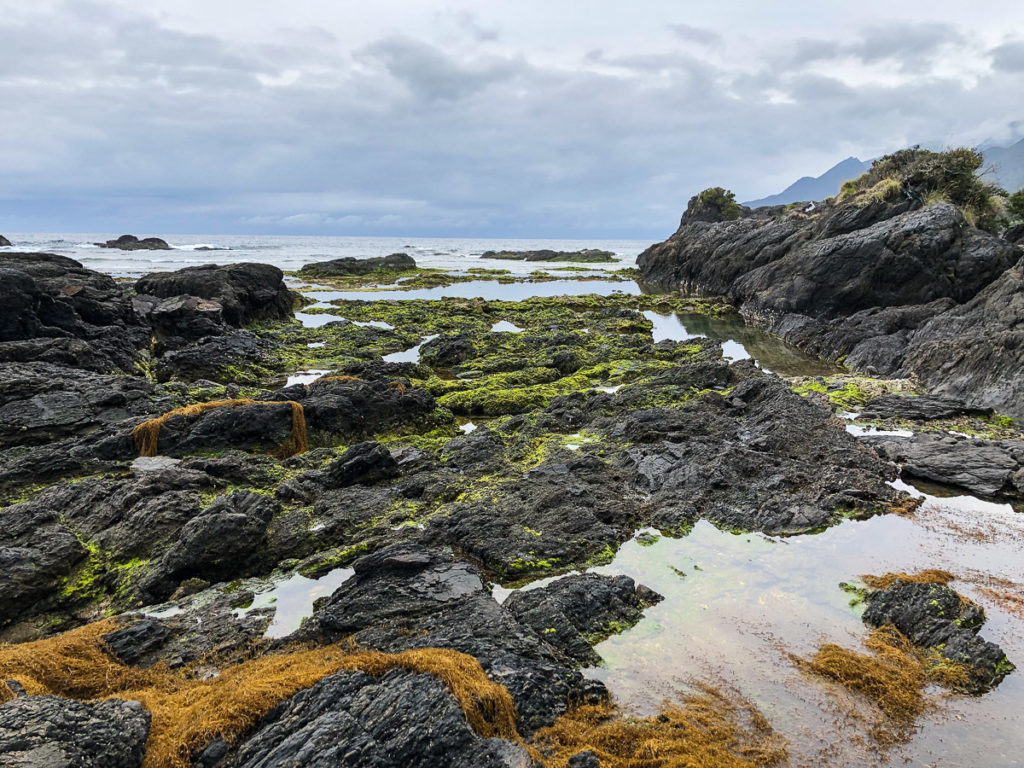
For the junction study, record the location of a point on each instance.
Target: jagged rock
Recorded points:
(41, 402)
(353, 720)
(52, 732)
(217, 544)
(225, 357)
(573, 611)
(263, 427)
(984, 467)
(364, 463)
(919, 408)
(246, 292)
(935, 617)
(405, 596)
(394, 262)
(51, 302)
(186, 317)
(4, 242)
(132, 243)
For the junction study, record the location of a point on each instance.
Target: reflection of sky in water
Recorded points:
(305, 377)
(504, 326)
(293, 599)
(411, 355)
(735, 605)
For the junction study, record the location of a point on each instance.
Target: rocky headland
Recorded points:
(229, 538)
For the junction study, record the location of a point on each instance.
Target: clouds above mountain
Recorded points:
(518, 119)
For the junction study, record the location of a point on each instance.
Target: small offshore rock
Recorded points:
(395, 262)
(132, 243)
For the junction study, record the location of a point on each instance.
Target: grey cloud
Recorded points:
(697, 35)
(1009, 57)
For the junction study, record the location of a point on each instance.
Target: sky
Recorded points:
(500, 118)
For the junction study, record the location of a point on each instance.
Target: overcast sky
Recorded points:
(490, 118)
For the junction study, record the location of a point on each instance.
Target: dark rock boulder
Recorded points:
(362, 409)
(246, 292)
(406, 596)
(574, 611)
(57, 310)
(352, 720)
(985, 467)
(4, 242)
(935, 617)
(53, 732)
(364, 463)
(395, 262)
(132, 243)
(920, 408)
(217, 544)
(236, 357)
(258, 426)
(187, 317)
(41, 402)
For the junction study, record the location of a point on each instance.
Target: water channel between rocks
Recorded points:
(736, 605)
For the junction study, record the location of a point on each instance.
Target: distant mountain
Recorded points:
(809, 188)
(1007, 164)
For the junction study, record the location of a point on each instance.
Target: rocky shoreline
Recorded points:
(178, 453)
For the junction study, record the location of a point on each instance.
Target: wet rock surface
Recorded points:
(985, 467)
(575, 612)
(590, 255)
(351, 719)
(936, 618)
(49, 731)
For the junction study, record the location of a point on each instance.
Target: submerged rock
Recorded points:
(132, 243)
(395, 262)
(936, 618)
(53, 732)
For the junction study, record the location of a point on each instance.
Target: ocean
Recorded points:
(291, 252)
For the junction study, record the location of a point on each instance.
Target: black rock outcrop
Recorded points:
(246, 292)
(4, 242)
(395, 262)
(52, 732)
(936, 618)
(132, 243)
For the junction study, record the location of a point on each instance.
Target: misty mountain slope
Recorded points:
(810, 188)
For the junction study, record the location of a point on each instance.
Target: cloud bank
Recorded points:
(453, 123)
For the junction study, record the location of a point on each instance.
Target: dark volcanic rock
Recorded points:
(52, 732)
(777, 266)
(395, 262)
(246, 292)
(58, 311)
(262, 426)
(4, 242)
(132, 243)
(586, 255)
(44, 403)
(352, 720)
(187, 317)
(920, 408)
(364, 463)
(216, 358)
(574, 611)
(985, 467)
(406, 596)
(935, 617)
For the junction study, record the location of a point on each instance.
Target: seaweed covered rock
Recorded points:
(395, 262)
(247, 292)
(50, 731)
(585, 255)
(938, 619)
(407, 596)
(353, 719)
(133, 243)
(575, 611)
